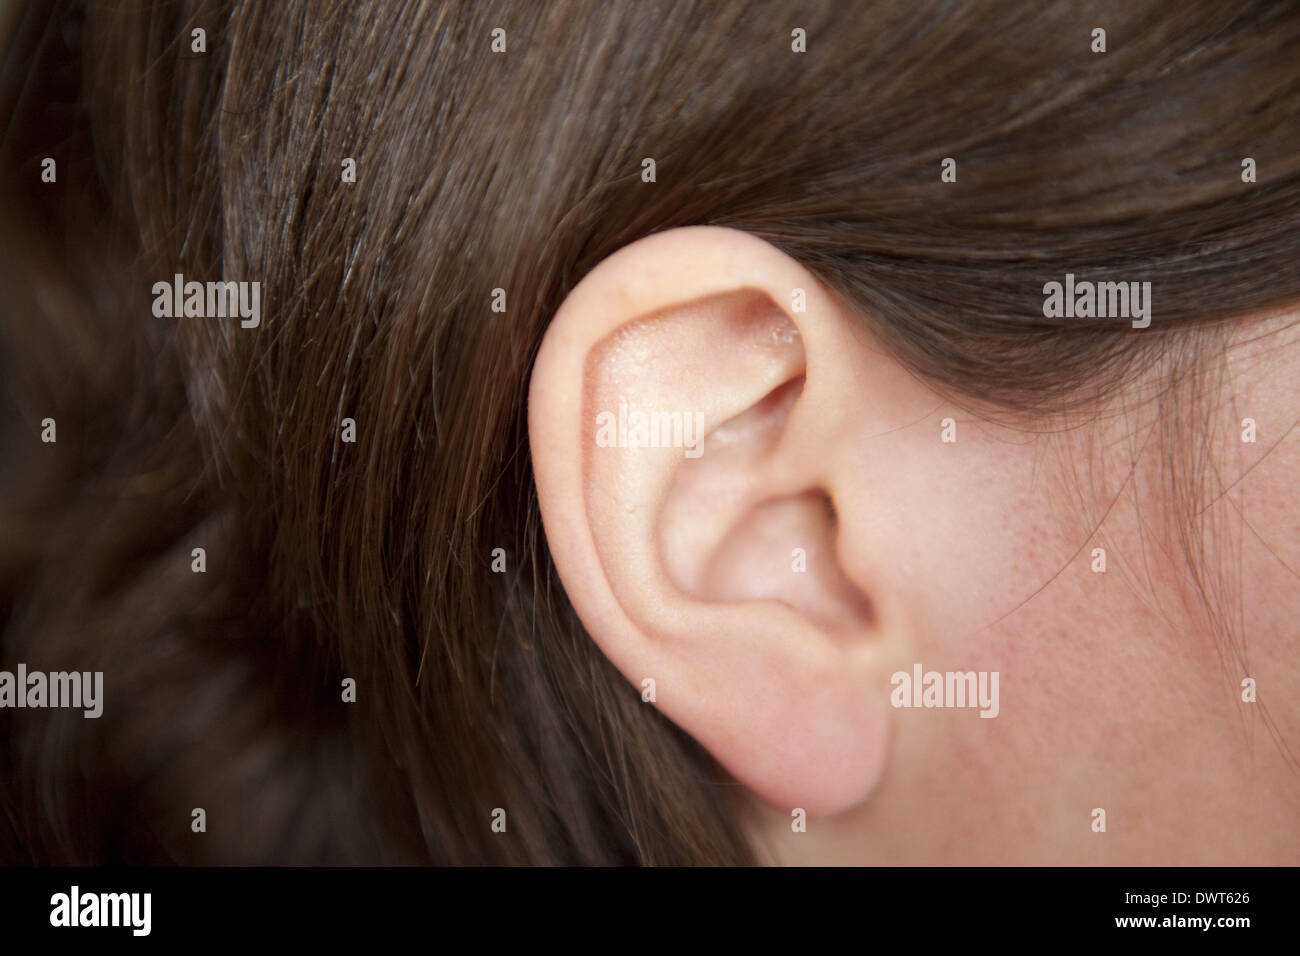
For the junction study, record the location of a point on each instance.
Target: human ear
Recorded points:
(694, 416)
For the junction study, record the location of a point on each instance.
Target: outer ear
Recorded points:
(690, 427)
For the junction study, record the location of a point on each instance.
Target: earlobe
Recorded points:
(715, 566)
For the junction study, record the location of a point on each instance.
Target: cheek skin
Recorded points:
(1076, 729)
(1111, 693)
(999, 592)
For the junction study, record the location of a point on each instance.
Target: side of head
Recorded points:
(883, 449)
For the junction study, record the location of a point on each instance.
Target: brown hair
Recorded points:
(518, 171)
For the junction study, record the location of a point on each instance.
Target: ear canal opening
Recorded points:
(731, 539)
(784, 549)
